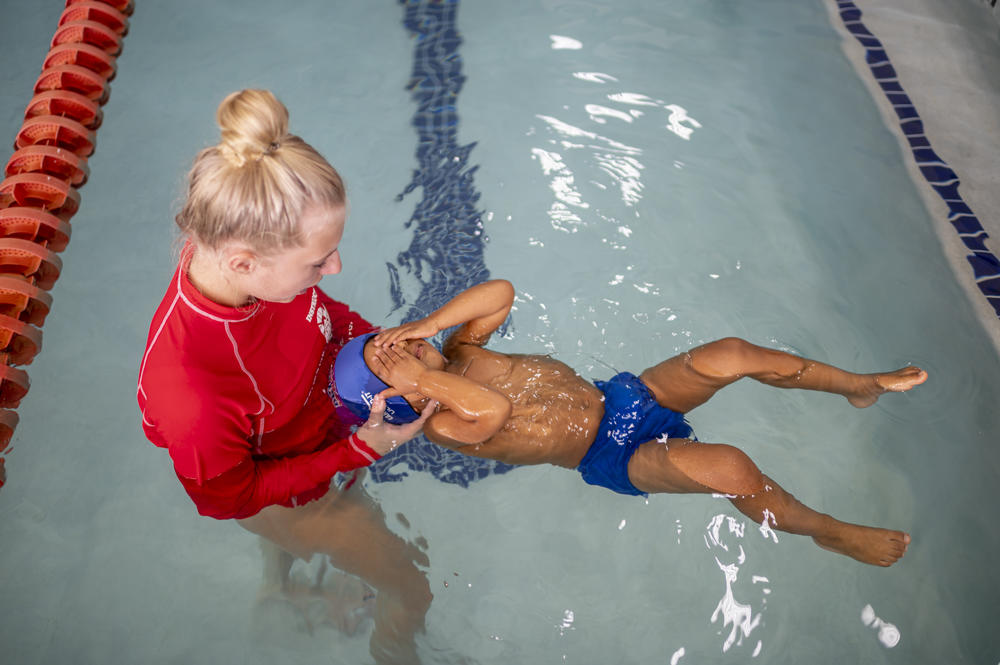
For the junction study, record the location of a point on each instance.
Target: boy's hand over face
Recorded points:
(398, 368)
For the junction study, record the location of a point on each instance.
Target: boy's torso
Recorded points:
(555, 415)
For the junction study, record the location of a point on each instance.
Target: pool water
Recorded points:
(650, 176)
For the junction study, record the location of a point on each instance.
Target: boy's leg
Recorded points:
(681, 466)
(687, 380)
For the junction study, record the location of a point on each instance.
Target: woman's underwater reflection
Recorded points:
(377, 556)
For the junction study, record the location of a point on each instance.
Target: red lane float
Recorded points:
(83, 55)
(39, 190)
(65, 103)
(50, 160)
(38, 193)
(22, 300)
(22, 341)
(29, 259)
(36, 225)
(88, 32)
(76, 79)
(60, 132)
(124, 6)
(13, 386)
(99, 12)
(8, 421)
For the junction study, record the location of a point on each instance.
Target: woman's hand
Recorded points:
(420, 329)
(382, 437)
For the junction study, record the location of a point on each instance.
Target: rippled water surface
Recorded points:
(650, 176)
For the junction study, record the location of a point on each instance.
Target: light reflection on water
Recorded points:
(741, 617)
(595, 170)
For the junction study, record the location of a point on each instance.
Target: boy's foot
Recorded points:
(879, 547)
(875, 385)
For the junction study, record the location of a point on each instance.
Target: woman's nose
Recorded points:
(332, 265)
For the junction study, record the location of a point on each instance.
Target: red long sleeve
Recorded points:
(239, 397)
(246, 489)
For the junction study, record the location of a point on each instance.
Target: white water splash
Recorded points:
(561, 42)
(888, 634)
(567, 622)
(734, 613)
(678, 115)
(594, 77)
(740, 617)
(766, 524)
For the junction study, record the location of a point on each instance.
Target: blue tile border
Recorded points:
(445, 255)
(941, 178)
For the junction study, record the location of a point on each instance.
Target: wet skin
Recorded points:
(530, 409)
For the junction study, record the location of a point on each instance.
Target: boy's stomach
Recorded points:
(555, 416)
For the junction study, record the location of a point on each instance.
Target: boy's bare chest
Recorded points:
(524, 379)
(555, 412)
(480, 365)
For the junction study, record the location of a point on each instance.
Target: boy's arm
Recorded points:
(473, 412)
(482, 308)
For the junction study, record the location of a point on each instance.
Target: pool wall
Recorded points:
(930, 67)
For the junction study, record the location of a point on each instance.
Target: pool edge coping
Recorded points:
(975, 265)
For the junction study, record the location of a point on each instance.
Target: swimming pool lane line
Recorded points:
(941, 178)
(39, 192)
(445, 255)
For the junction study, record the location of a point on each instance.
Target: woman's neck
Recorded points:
(205, 272)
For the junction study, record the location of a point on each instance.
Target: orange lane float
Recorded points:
(75, 78)
(51, 160)
(14, 385)
(37, 225)
(65, 103)
(22, 341)
(53, 130)
(8, 421)
(22, 300)
(29, 259)
(38, 193)
(124, 6)
(88, 32)
(82, 55)
(99, 12)
(39, 190)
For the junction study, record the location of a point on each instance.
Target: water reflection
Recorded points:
(888, 634)
(741, 617)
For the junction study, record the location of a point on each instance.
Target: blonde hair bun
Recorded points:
(253, 124)
(255, 185)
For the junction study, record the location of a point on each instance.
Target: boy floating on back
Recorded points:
(627, 434)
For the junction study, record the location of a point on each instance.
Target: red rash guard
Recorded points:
(238, 397)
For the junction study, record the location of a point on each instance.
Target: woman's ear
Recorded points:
(242, 261)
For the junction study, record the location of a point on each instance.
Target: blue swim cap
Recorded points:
(356, 385)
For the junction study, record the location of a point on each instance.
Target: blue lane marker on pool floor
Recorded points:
(446, 254)
(944, 181)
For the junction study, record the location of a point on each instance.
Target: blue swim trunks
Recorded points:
(631, 417)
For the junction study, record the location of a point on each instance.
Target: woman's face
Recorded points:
(282, 276)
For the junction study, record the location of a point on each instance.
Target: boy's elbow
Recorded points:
(494, 421)
(506, 287)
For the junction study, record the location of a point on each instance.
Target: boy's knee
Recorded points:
(742, 477)
(722, 359)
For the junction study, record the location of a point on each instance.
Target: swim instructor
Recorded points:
(234, 382)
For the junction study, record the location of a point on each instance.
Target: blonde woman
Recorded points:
(234, 382)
